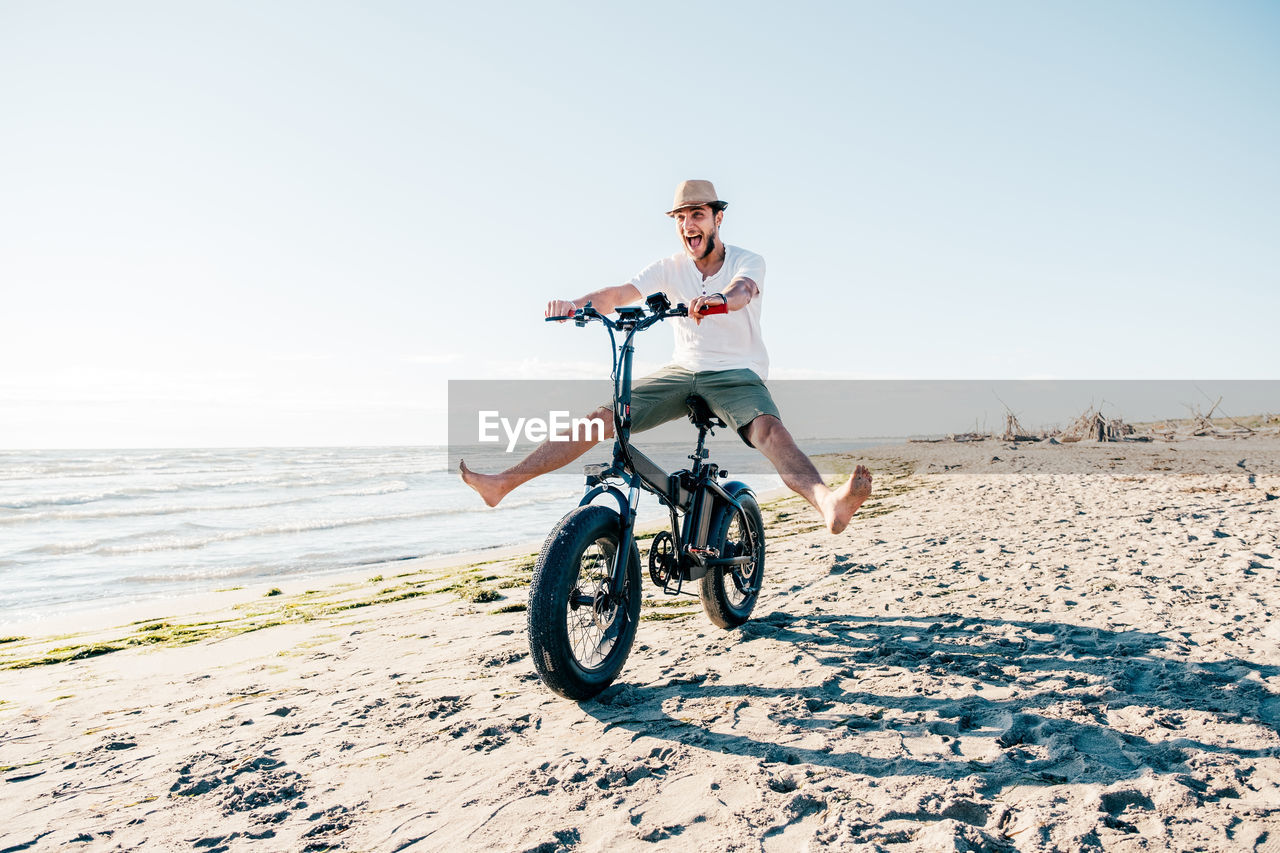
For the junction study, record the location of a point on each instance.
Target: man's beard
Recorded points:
(708, 246)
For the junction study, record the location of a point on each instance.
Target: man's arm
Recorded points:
(736, 297)
(604, 300)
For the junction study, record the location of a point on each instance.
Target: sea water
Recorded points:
(91, 529)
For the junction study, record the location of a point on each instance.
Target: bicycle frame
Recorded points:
(694, 492)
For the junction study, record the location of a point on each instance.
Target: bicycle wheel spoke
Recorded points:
(594, 619)
(741, 542)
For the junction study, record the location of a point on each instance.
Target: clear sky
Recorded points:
(242, 223)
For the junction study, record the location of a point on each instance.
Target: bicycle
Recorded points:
(584, 600)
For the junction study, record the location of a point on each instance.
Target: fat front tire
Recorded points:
(729, 593)
(580, 631)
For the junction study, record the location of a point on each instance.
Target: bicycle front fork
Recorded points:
(618, 574)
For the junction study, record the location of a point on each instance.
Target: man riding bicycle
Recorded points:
(723, 360)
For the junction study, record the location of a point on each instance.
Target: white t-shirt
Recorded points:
(722, 341)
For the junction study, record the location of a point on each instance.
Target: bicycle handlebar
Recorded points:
(582, 315)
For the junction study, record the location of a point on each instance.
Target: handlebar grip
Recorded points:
(715, 309)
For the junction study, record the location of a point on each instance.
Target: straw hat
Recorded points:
(696, 194)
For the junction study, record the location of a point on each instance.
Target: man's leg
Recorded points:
(545, 458)
(837, 506)
(655, 399)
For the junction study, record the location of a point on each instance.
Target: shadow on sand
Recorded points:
(1063, 701)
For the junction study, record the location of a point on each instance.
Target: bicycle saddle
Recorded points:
(700, 414)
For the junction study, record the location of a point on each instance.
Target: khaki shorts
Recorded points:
(737, 397)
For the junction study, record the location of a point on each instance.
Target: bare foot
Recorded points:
(844, 501)
(488, 486)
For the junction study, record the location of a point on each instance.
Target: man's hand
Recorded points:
(560, 308)
(702, 303)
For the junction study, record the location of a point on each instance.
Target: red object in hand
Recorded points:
(714, 309)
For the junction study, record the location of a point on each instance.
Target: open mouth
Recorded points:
(694, 242)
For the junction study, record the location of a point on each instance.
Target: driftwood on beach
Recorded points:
(1014, 431)
(1206, 425)
(1093, 425)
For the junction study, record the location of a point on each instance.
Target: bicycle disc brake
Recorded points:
(604, 609)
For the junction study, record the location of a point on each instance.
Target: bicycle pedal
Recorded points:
(705, 553)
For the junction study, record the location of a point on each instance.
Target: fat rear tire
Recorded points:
(729, 593)
(578, 640)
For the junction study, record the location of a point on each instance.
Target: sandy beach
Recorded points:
(1015, 646)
